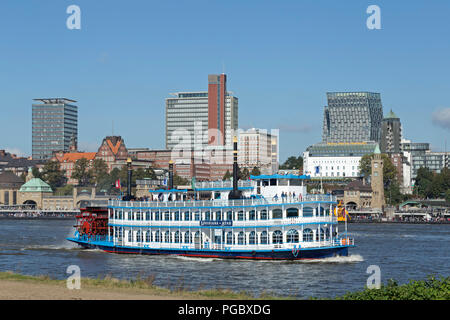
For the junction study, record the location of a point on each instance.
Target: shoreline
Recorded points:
(15, 286)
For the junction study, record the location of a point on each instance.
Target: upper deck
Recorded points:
(222, 203)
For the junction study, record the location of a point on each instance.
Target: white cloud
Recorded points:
(441, 118)
(15, 151)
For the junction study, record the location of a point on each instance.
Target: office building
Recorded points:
(195, 120)
(352, 117)
(258, 148)
(421, 156)
(55, 124)
(391, 134)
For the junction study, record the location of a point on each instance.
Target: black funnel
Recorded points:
(235, 193)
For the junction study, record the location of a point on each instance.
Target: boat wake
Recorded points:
(196, 259)
(65, 247)
(353, 258)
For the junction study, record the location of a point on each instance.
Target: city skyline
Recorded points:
(280, 62)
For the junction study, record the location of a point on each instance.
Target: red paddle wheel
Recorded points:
(92, 221)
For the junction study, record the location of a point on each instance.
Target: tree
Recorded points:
(99, 170)
(53, 175)
(424, 181)
(447, 195)
(179, 181)
(243, 174)
(36, 173)
(293, 163)
(82, 172)
(389, 170)
(227, 176)
(255, 171)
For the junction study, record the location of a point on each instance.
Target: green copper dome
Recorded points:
(391, 115)
(36, 185)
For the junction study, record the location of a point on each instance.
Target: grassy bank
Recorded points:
(430, 289)
(143, 285)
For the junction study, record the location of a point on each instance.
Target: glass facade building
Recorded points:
(352, 117)
(422, 157)
(55, 124)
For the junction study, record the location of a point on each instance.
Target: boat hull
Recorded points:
(276, 254)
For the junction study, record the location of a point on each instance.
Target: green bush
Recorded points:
(430, 289)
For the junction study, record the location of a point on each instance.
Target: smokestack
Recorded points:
(130, 174)
(235, 193)
(170, 184)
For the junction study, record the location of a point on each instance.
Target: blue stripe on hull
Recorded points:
(318, 253)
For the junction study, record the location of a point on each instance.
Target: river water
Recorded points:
(402, 251)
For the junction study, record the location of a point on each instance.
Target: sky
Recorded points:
(280, 57)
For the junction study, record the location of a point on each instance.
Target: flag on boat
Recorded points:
(118, 186)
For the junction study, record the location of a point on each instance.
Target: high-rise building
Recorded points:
(203, 118)
(391, 134)
(258, 148)
(352, 117)
(55, 125)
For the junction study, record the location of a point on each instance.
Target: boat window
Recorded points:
(177, 215)
(197, 216)
(157, 217)
(148, 216)
(218, 215)
(264, 239)
(148, 236)
(273, 182)
(263, 215)
(241, 238)
(292, 236)
(177, 237)
(295, 182)
(292, 212)
(321, 211)
(187, 216)
(327, 234)
(157, 236)
(139, 236)
(167, 216)
(230, 238)
(187, 237)
(277, 237)
(167, 237)
(277, 213)
(241, 216)
(252, 238)
(230, 215)
(307, 235)
(130, 236)
(252, 215)
(283, 182)
(208, 215)
(308, 211)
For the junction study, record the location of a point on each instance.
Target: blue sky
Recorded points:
(281, 57)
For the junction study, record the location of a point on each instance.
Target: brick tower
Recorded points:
(377, 180)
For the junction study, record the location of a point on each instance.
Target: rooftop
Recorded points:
(55, 100)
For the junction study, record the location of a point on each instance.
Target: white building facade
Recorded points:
(259, 148)
(335, 160)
